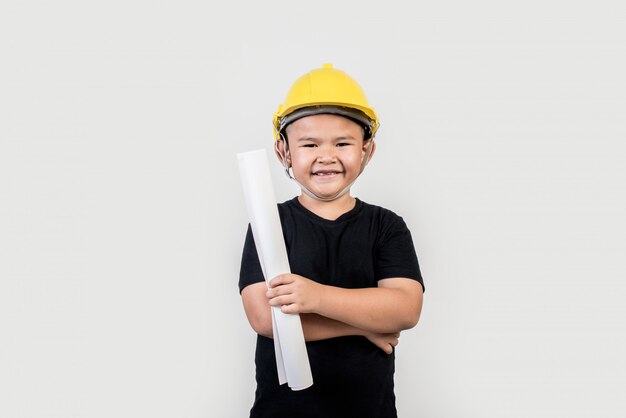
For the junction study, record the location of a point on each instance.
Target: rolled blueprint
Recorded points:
(292, 360)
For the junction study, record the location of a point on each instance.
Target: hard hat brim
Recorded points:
(353, 114)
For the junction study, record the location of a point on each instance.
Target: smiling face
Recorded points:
(326, 152)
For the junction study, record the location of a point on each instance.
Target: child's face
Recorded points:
(325, 152)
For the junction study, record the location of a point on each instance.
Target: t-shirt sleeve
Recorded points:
(250, 271)
(395, 253)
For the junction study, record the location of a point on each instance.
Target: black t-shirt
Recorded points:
(351, 376)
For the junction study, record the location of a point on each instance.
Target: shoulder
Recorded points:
(383, 214)
(288, 208)
(387, 223)
(291, 216)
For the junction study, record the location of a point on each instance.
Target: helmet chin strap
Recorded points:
(283, 156)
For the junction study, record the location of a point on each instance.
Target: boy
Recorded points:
(356, 281)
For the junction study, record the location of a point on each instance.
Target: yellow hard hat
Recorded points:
(326, 90)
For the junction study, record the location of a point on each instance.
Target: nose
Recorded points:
(327, 153)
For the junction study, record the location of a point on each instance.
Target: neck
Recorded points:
(328, 210)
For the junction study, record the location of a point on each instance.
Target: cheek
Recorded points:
(299, 162)
(353, 158)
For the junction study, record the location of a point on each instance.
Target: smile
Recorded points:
(325, 173)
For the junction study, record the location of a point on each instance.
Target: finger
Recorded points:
(276, 281)
(277, 291)
(290, 309)
(280, 279)
(281, 300)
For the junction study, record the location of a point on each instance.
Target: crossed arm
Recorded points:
(378, 314)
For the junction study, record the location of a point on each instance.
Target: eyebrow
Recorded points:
(306, 138)
(339, 138)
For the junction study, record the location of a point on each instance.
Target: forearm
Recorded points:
(317, 327)
(393, 306)
(378, 309)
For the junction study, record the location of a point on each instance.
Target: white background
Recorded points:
(122, 218)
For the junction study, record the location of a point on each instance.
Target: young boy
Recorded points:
(356, 281)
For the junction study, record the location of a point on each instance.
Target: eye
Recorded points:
(308, 146)
(344, 144)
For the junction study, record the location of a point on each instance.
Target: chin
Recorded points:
(328, 194)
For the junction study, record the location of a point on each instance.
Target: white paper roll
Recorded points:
(292, 360)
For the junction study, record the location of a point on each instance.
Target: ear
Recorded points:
(366, 144)
(281, 150)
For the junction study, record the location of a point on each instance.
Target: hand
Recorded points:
(385, 342)
(294, 294)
